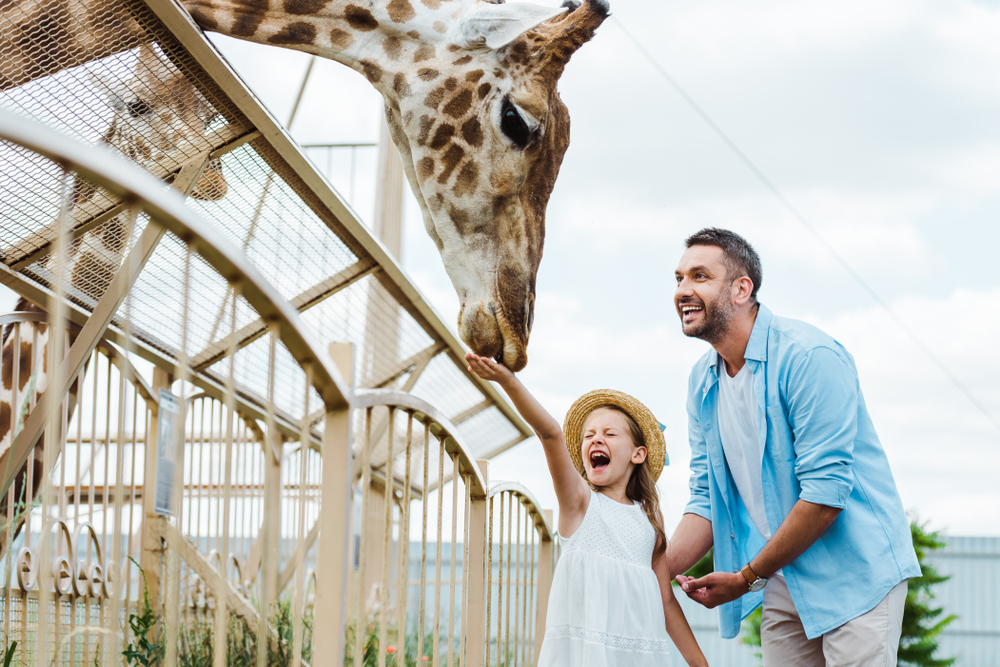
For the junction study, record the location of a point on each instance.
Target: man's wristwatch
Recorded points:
(753, 581)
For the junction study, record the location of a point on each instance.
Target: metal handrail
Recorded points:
(436, 423)
(532, 505)
(165, 207)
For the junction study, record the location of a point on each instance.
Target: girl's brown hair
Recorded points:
(641, 486)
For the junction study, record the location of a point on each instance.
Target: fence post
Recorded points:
(544, 584)
(151, 560)
(475, 640)
(334, 523)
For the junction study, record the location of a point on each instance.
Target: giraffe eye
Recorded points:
(512, 124)
(138, 108)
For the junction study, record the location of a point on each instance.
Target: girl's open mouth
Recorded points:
(599, 461)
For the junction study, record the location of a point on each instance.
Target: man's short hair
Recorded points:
(739, 256)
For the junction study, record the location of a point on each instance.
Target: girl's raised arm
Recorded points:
(571, 490)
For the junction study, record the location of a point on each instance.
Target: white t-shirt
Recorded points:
(738, 430)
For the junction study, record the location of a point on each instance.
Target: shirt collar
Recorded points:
(757, 345)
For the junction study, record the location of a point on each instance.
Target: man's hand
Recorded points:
(714, 589)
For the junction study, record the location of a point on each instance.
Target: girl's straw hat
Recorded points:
(656, 452)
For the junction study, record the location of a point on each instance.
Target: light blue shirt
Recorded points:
(817, 443)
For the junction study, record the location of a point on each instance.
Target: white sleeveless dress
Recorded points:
(605, 608)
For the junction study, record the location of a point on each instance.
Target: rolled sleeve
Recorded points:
(700, 502)
(823, 415)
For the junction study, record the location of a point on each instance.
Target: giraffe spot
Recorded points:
(519, 52)
(7, 367)
(424, 52)
(414, 34)
(432, 4)
(428, 73)
(246, 24)
(426, 123)
(442, 136)
(468, 177)
(459, 105)
(425, 168)
(204, 18)
(436, 202)
(475, 75)
(484, 90)
(435, 97)
(472, 132)
(499, 73)
(400, 86)
(392, 47)
(450, 83)
(440, 27)
(304, 7)
(294, 33)
(454, 47)
(341, 38)
(408, 117)
(459, 216)
(25, 370)
(5, 420)
(450, 160)
(360, 18)
(400, 11)
(371, 71)
(464, 60)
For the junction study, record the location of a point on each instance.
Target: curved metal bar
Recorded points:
(435, 422)
(18, 316)
(123, 179)
(532, 505)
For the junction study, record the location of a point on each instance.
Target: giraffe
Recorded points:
(470, 97)
(158, 118)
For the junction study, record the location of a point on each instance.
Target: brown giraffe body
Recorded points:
(470, 97)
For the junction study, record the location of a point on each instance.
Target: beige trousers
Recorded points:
(870, 640)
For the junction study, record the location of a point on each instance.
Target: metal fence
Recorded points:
(143, 506)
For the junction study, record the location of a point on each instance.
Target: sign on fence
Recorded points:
(168, 443)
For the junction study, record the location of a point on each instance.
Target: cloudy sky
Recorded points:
(879, 122)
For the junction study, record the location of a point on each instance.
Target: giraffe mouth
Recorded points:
(485, 329)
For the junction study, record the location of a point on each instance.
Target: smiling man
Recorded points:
(789, 481)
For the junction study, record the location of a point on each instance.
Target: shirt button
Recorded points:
(704, 390)
(733, 536)
(762, 357)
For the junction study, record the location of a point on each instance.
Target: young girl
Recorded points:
(611, 604)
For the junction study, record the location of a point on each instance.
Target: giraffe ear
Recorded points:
(494, 26)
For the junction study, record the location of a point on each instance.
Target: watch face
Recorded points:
(758, 585)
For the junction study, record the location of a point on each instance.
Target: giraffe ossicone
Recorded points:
(470, 98)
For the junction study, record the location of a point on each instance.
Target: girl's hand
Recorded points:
(488, 369)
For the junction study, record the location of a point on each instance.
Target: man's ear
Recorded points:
(493, 26)
(743, 290)
(639, 455)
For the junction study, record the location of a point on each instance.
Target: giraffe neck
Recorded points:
(361, 35)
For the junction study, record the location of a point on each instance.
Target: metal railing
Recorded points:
(225, 549)
(79, 602)
(519, 574)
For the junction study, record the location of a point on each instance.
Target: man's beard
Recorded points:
(717, 320)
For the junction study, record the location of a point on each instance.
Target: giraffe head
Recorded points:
(160, 119)
(482, 132)
(470, 97)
